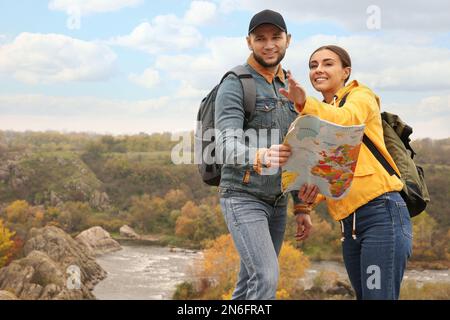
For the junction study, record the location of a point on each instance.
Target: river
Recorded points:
(152, 272)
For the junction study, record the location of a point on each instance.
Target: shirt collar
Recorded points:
(266, 74)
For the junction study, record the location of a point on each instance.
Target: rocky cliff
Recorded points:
(55, 266)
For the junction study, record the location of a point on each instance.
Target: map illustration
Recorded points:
(324, 154)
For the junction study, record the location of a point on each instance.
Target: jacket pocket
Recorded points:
(264, 117)
(364, 170)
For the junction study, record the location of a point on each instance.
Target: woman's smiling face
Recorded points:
(326, 73)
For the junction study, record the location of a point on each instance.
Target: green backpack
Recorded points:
(396, 138)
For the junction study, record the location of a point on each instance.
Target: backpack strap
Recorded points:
(381, 159)
(248, 87)
(371, 146)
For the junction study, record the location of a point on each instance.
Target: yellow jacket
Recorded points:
(370, 180)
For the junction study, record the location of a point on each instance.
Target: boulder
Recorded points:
(37, 276)
(65, 251)
(4, 174)
(98, 241)
(341, 288)
(128, 232)
(6, 295)
(99, 200)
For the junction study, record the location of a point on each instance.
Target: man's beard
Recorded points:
(261, 61)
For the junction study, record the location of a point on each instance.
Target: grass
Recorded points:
(411, 290)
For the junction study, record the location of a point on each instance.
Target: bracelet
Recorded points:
(259, 165)
(302, 208)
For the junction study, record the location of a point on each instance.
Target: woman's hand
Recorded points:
(304, 226)
(295, 92)
(308, 193)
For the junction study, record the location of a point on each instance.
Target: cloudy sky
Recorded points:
(130, 66)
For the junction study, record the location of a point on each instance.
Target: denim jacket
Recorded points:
(269, 125)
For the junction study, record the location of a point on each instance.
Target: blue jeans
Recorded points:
(257, 229)
(376, 259)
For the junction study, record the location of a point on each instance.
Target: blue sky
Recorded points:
(130, 66)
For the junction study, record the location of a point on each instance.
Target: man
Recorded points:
(252, 203)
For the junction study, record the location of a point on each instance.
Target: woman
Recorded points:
(375, 222)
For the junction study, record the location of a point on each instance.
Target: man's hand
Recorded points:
(277, 155)
(304, 226)
(308, 193)
(295, 93)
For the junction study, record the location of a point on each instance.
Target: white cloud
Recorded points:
(186, 90)
(87, 113)
(200, 12)
(37, 104)
(429, 117)
(417, 15)
(165, 33)
(91, 6)
(118, 124)
(203, 71)
(148, 79)
(391, 65)
(435, 105)
(51, 58)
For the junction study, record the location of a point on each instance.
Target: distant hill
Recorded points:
(42, 167)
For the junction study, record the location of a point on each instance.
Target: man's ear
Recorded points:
(288, 39)
(249, 43)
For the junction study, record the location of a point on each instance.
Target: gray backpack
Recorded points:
(205, 144)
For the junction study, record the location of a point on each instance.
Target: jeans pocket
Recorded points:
(405, 219)
(246, 210)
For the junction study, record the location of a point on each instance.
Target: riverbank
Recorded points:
(144, 272)
(153, 272)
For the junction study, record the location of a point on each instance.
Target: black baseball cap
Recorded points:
(269, 17)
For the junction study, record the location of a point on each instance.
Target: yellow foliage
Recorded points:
(293, 264)
(18, 211)
(282, 294)
(184, 226)
(227, 296)
(191, 210)
(221, 263)
(6, 243)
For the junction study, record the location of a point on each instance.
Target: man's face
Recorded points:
(268, 44)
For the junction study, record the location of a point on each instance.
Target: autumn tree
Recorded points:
(74, 216)
(22, 216)
(19, 211)
(220, 267)
(147, 213)
(199, 223)
(429, 242)
(6, 243)
(175, 199)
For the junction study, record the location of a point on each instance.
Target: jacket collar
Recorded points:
(266, 74)
(342, 92)
(347, 89)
